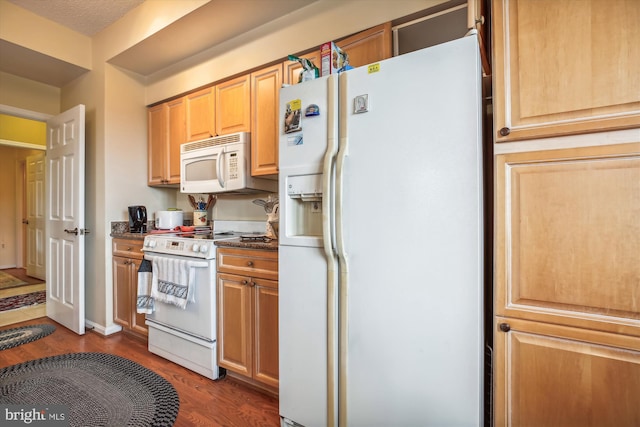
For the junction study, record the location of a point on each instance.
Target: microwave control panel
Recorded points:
(233, 166)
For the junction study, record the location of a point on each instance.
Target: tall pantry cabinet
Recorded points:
(567, 212)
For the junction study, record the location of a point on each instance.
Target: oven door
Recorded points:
(197, 318)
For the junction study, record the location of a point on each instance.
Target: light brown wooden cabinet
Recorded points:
(166, 131)
(127, 256)
(248, 314)
(200, 114)
(372, 45)
(233, 105)
(157, 142)
(567, 283)
(265, 132)
(565, 67)
(562, 376)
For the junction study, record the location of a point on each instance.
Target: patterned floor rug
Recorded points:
(9, 281)
(24, 300)
(14, 337)
(98, 389)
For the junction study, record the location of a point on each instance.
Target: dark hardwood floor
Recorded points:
(203, 402)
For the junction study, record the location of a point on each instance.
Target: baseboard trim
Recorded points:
(101, 329)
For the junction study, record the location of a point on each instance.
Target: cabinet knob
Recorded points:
(250, 263)
(505, 131)
(252, 284)
(245, 282)
(505, 327)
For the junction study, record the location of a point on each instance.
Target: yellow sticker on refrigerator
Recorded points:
(373, 68)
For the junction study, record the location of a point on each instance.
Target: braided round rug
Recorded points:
(99, 389)
(17, 336)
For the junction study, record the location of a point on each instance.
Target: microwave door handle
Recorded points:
(219, 168)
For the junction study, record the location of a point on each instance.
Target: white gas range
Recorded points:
(187, 336)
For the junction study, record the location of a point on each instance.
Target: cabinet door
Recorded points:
(156, 144)
(235, 328)
(549, 375)
(200, 113)
(137, 319)
(121, 291)
(177, 136)
(265, 91)
(565, 66)
(233, 106)
(265, 344)
(372, 45)
(292, 69)
(568, 237)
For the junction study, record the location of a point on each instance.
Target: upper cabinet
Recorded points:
(157, 137)
(200, 112)
(177, 135)
(233, 111)
(372, 45)
(166, 131)
(265, 95)
(565, 67)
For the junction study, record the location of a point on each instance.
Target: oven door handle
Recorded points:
(196, 264)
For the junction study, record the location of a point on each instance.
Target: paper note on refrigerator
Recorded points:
(292, 116)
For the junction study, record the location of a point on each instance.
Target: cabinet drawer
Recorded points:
(127, 248)
(248, 262)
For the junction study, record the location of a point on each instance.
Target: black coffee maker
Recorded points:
(137, 219)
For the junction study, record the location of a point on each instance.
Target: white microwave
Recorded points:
(220, 165)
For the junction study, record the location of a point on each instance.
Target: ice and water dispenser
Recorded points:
(303, 206)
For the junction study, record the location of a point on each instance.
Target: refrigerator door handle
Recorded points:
(343, 323)
(327, 239)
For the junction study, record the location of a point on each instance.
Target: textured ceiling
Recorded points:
(84, 16)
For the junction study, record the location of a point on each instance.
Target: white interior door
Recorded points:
(36, 266)
(65, 218)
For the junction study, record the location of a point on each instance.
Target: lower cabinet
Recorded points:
(552, 375)
(248, 314)
(127, 256)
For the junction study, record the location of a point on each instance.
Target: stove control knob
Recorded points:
(151, 244)
(195, 247)
(204, 249)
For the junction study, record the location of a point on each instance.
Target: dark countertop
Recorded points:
(231, 243)
(127, 235)
(236, 243)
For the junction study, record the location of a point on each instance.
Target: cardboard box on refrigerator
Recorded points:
(332, 59)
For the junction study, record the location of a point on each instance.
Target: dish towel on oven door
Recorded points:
(172, 280)
(144, 303)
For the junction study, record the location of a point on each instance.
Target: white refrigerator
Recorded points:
(381, 244)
